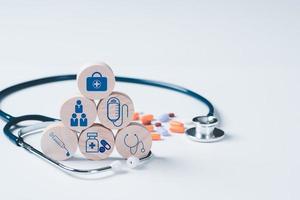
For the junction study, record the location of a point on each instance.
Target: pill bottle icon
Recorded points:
(92, 143)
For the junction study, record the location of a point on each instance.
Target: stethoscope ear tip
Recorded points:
(205, 130)
(132, 162)
(116, 166)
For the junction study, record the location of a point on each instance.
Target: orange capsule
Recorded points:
(176, 123)
(146, 122)
(136, 116)
(150, 128)
(177, 129)
(155, 136)
(146, 119)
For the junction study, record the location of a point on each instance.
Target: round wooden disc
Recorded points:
(96, 142)
(115, 111)
(133, 140)
(59, 142)
(78, 113)
(96, 81)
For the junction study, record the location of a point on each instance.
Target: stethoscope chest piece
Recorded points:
(205, 130)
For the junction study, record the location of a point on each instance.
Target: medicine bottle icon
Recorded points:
(92, 143)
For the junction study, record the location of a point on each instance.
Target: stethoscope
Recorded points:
(204, 131)
(134, 148)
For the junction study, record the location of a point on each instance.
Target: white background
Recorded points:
(242, 55)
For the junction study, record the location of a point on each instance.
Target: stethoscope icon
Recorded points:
(134, 148)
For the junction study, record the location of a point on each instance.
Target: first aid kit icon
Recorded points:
(96, 83)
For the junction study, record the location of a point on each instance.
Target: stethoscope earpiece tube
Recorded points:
(21, 86)
(16, 120)
(12, 122)
(169, 86)
(26, 131)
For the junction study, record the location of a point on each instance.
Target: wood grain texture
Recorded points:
(88, 83)
(133, 140)
(115, 111)
(78, 113)
(96, 142)
(59, 142)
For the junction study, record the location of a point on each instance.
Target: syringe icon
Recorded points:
(59, 143)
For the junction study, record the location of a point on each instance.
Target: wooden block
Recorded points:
(78, 113)
(58, 142)
(133, 140)
(96, 81)
(115, 111)
(96, 142)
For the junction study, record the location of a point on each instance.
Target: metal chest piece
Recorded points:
(205, 130)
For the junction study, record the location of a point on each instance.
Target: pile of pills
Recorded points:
(78, 127)
(160, 126)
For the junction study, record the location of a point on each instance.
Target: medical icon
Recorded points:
(105, 146)
(115, 111)
(82, 121)
(59, 142)
(96, 83)
(74, 120)
(93, 146)
(96, 142)
(137, 145)
(78, 113)
(78, 107)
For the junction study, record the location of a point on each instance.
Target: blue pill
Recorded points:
(163, 131)
(164, 117)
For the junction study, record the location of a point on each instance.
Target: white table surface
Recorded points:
(242, 55)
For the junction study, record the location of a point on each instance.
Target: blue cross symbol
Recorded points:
(96, 84)
(92, 145)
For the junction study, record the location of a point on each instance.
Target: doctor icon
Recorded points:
(83, 120)
(74, 120)
(78, 113)
(78, 107)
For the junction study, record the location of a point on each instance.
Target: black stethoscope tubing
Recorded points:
(13, 121)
